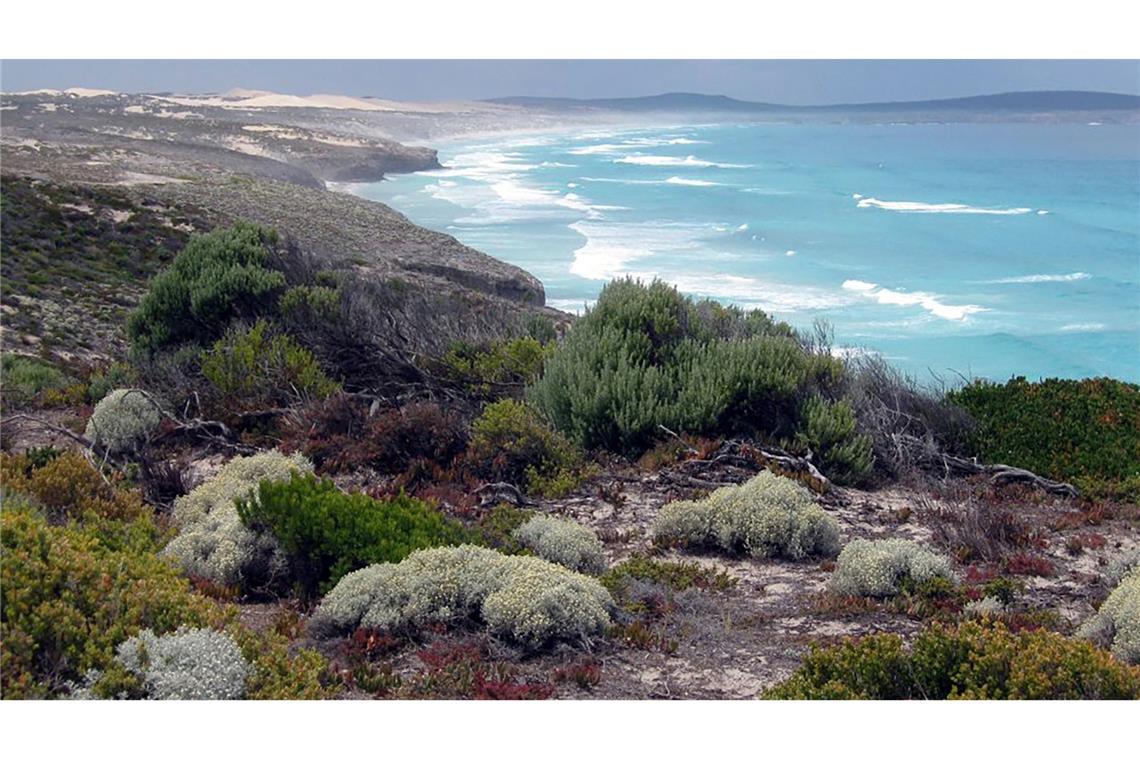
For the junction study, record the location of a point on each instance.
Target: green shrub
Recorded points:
(327, 533)
(123, 421)
(217, 277)
(23, 378)
(768, 516)
(524, 599)
(1075, 430)
(306, 302)
(103, 381)
(828, 429)
(67, 600)
(975, 660)
(1117, 623)
(213, 544)
(253, 369)
(498, 368)
(510, 443)
(880, 567)
(645, 356)
(68, 486)
(677, 576)
(564, 542)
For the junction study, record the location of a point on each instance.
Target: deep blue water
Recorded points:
(985, 250)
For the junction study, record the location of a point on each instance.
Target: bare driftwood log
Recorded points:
(736, 461)
(493, 493)
(929, 457)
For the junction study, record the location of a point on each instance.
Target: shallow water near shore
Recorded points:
(976, 250)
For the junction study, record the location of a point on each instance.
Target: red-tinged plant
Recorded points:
(1024, 563)
(585, 674)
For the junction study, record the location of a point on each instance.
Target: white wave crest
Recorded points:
(917, 207)
(641, 159)
(690, 182)
(1083, 327)
(1030, 278)
(928, 301)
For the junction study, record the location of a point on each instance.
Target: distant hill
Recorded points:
(1038, 101)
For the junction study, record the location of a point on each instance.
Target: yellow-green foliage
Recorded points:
(216, 278)
(1117, 623)
(67, 600)
(253, 369)
(498, 368)
(524, 599)
(975, 660)
(509, 442)
(23, 378)
(768, 516)
(68, 486)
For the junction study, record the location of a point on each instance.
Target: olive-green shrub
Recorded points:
(768, 516)
(645, 357)
(327, 533)
(828, 427)
(1117, 623)
(217, 277)
(123, 420)
(974, 660)
(213, 544)
(252, 368)
(510, 442)
(878, 567)
(67, 599)
(524, 599)
(22, 378)
(564, 542)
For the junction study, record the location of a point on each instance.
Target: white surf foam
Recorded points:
(790, 253)
(1030, 278)
(641, 159)
(690, 182)
(918, 207)
(929, 301)
(1083, 327)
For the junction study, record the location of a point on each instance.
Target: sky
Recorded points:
(798, 82)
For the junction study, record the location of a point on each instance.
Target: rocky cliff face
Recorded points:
(123, 157)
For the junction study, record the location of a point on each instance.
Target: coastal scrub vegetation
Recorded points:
(645, 357)
(973, 660)
(1086, 431)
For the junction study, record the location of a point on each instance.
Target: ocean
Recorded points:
(954, 250)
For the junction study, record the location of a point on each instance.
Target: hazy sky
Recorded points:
(794, 82)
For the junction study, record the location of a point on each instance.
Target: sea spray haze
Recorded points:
(987, 249)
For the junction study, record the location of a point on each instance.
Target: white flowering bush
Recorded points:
(987, 606)
(212, 543)
(123, 421)
(878, 567)
(1121, 566)
(768, 516)
(187, 664)
(1117, 623)
(564, 542)
(525, 599)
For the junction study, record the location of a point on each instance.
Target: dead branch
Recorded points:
(930, 458)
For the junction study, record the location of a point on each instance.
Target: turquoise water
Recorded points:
(980, 250)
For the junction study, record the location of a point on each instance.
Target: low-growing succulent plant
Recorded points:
(768, 516)
(187, 664)
(524, 599)
(212, 543)
(123, 420)
(878, 567)
(564, 542)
